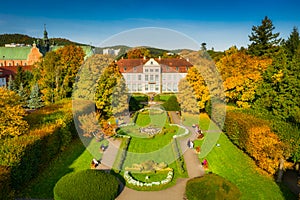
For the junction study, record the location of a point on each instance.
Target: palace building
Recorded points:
(154, 75)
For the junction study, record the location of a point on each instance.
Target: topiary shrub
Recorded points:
(171, 104)
(87, 184)
(211, 186)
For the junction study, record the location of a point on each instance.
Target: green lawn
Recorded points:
(233, 164)
(74, 158)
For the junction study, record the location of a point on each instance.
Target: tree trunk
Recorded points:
(297, 167)
(280, 170)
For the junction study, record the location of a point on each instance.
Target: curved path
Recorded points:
(175, 192)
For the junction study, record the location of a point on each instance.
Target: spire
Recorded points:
(45, 33)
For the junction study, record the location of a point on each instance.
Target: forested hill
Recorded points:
(25, 39)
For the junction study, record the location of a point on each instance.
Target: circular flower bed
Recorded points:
(129, 179)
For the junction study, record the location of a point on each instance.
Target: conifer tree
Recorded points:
(35, 100)
(10, 84)
(292, 44)
(23, 96)
(264, 41)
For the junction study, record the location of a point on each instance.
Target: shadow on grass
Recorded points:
(288, 186)
(42, 186)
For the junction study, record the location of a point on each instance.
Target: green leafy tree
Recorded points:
(35, 100)
(292, 44)
(279, 92)
(12, 121)
(91, 70)
(264, 41)
(107, 83)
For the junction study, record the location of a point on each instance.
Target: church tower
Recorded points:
(46, 40)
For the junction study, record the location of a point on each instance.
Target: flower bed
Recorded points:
(130, 180)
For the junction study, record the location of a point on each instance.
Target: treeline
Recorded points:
(261, 80)
(25, 39)
(30, 142)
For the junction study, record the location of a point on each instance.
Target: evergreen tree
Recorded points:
(292, 44)
(264, 41)
(23, 96)
(10, 84)
(35, 100)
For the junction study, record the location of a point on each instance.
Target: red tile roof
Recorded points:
(12, 70)
(168, 65)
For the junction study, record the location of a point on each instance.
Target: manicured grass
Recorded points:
(231, 163)
(74, 158)
(151, 117)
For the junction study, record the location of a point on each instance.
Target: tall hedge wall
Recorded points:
(255, 137)
(52, 129)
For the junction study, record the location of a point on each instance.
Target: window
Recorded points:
(146, 87)
(156, 87)
(129, 87)
(151, 62)
(151, 87)
(25, 64)
(174, 87)
(128, 77)
(139, 77)
(156, 70)
(146, 77)
(146, 70)
(177, 68)
(151, 78)
(9, 64)
(187, 68)
(164, 87)
(134, 69)
(133, 87)
(124, 69)
(17, 64)
(1, 64)
(169, 86)
(167, 68)
(139, 87)
(156, 77)
(133, 77)
(151, 70)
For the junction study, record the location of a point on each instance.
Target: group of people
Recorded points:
(95, 163)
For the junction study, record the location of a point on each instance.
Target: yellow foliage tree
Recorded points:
(241, 73)
(12, 114)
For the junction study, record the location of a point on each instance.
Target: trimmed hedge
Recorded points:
(178, 156)
(22, 157)
(121, 156)
(211, 186)
(87, 184)
(255, 137)
(171, 104)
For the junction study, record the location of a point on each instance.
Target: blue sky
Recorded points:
(220, 24)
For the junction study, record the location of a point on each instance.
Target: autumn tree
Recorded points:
(89, 124)
(58, 70)
(138, 53)
(71, 59)
(263, 41)
(241, 74)
(107, 83)
(186, 97)
(91, 70)
(12, 114)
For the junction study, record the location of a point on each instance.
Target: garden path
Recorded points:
(176, 192)
(110, 154)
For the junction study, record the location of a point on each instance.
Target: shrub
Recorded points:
(211, 186)
(255, 136)
(5, 183)
(171, 104)
(87, 184)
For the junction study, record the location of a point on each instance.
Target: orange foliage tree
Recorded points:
(241, 73)
(255, 136)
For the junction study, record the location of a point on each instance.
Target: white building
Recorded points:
(109, 51)
(153, 75)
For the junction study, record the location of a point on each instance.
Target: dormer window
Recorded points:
(124, 69)
(134, 69)
(151, 62)
(177, 68)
